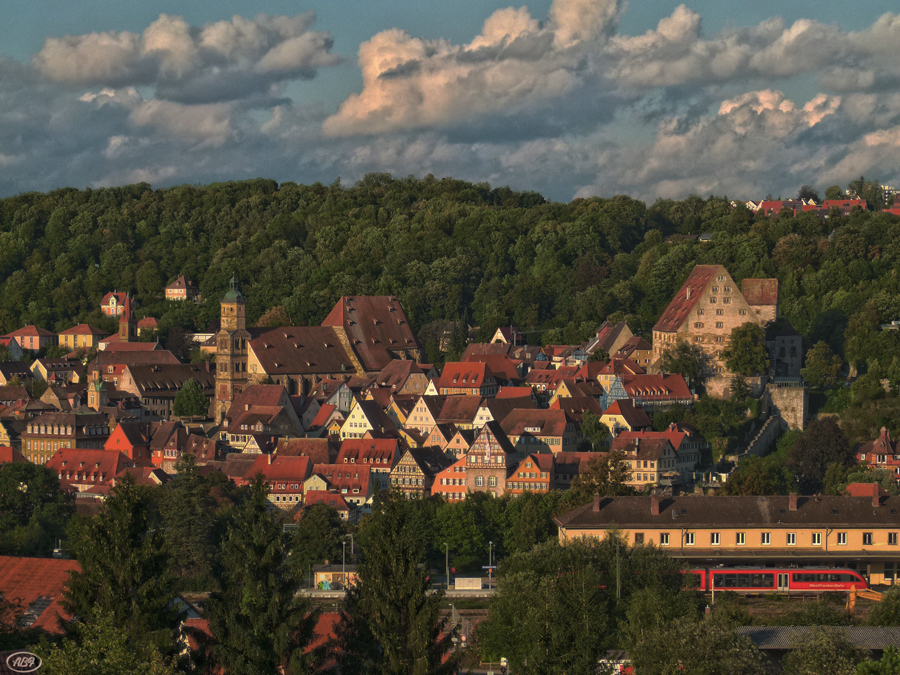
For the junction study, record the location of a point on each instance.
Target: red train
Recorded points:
(793, 579)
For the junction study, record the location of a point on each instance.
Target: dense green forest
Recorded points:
(449, 249)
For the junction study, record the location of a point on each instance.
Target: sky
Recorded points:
(570, 98)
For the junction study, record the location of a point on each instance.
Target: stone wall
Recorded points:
(791, 403)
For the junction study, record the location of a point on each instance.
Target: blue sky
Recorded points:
(566, 97)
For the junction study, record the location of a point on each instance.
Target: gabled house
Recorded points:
(56, 371)
(9, 455)
(508, 335)
(318, 427)
(496, 409)
(354, 482)
(425, 413)
(113, 303)
(540, 431)
(319, 450)
(450, 483)
(11, 371)
(333, 499)
(882, 453)
(381, 455)
(166, 442)
(576, 406)
(675, 467)
(617, 369)
(657, 392)
(333, 392)
(260, 409)
(33, 338)
(132, 439)
(536, 473)
(471, 378)
(506, 371)
(204, 450)
(16, 353)
(182, 289)
(285, 477)
(82, 336)
(650, 458)
(461, 442)
(460, 411)
(415, 472)
(625, 416)
(441, 435)
(82, 470)
(490, 461)
(403, 376)
(50, 432)
(638, 350)
(11, 396)
(567, 466)
(610, 338)
(365, 416)
(157, 385)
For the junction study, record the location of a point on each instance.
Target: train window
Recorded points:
(743, 580)
(867, 538)
(892, 538)
(842, 538)
(791, 538)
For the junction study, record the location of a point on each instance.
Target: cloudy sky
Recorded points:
(566, 97)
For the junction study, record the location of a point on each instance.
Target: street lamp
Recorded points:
(447, 563)
(490, 563)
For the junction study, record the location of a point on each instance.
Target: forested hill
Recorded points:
(449, 249)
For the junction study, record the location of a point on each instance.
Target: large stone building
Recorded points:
(360, 336)
(709, 306)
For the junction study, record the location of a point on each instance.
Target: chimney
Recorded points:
(793, 501)
(270, 458)
(596, 503)
(654, 505)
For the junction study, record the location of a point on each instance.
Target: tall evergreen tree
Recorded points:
(317, 538)
(188, 521)
(190, 401)
(125, 570)
(258, 623)
(392, 622)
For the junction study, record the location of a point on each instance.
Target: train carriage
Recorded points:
(792, 579)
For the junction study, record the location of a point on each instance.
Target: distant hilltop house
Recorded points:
(182, 289)
(113, 304)
(32, 338)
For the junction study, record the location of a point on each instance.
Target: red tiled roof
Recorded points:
(634, 416)
(181, 282)
(84, 329)
(485, 348)
(687, 296)
(459, 409)
(322, 416)
(499, 365)
(382, 451)
(514, 392)
(37, 584)
(760, 291)
(883, 445)
(120, 298)
(548, 422)
(9, 455)
(148, 322)
(319, 450)
(395, 373)
(865, 490)
(280, 467)
(301, 349)
(332, 499)
(462, 374)
(656, 387)
(621, 368)
(634, 343)
(31, 331)
(345, 476)
(374, 324)
(643, 447)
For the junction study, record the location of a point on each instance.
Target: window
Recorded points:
(791, 539)
(726, 300)
(727, 289)
(766, 538)
(638, 537)
(479, 481)
(739, 539)
(492, 481)
(842, 538)
(699, 312)
(712, 301)
(817, 539)
(664, 539)
(698, 324)
(892, 538)
(867, 538)
(742, 312)
(720, 324)
(689, 539)
(714, 538)
(720, 312)
(715, 289)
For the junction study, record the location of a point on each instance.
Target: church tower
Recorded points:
(127, 322)
(232, 342)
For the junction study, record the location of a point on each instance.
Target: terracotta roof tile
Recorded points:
(301, 349)
(548, 423)
(459, 409)
(687, 297)
(319, 450)
(37, 584)
(760, 291)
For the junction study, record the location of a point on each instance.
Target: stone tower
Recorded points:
(127, 322)
(97, 394)
(232, 343)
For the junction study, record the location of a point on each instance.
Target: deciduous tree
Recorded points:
(746, 353)
(688, 360)
(822, 444)
(823, 367)
(191, 401)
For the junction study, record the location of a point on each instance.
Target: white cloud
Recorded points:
(207, 124)
(226, 60)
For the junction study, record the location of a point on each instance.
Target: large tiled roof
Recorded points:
(652, 448)
(499, 365)
(168, 379)
(375, 326)
(634, 416)
(687, 297)
(332, 499)
(634, 343)
(31, 331)
(301, 349)
(459, 409)
(462, 375)
(280, 467)
(485, 348)
(37, 584)
(575, 406)
(546, 422)
(760, 291)
(430, 460)
(774, 512)
(319, 450)
(883, 445)
(383, 451)
(345, 476)
(81, 465)
(656, 387)
(395, 373)
(84, 329)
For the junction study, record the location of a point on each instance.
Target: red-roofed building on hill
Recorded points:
(471, 378)
(540, 431)
(625, 416)
(535, 473)
(80, 470)
(260, 409)
(638, 350)
(657, 392)
(37, 584)
(112, 303)
(33, 338)
(375, 328)
(508, 335)
(882, 453)
(182, 289)
(381, 455)
(670, 467)
(403, 376)
(319, 450)
(707, 307)
(460, 411)
(82, 336)
(285, 477)
(333, 499)
(610, 338)
(507, 371)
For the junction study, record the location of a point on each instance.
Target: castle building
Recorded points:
(709, 306)
(232, 341)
